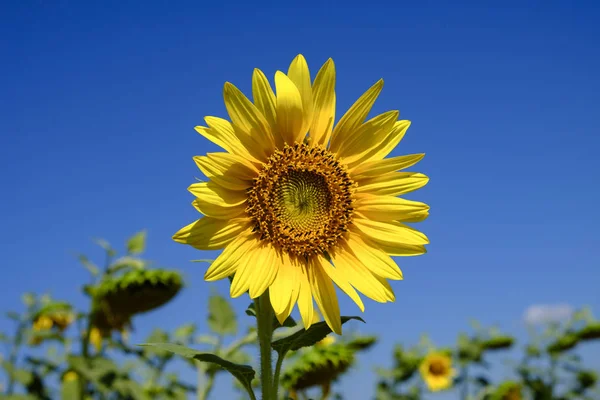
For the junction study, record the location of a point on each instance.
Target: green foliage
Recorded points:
(221, 316)
(90, 266)
(305, 338)
(323, 363)
(243, 373)
(137, 243)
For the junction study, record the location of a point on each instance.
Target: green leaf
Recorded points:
(221, 316)
(206, 339)
(137, 243)
(288, 323)
(243, 373)
(185, 331)
(22, 376)
(106, 246)
(13, 315)
(28, 299)
(90, 266)
(126, 262)
(305, 338)
(70, 390)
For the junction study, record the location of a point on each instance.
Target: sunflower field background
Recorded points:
(99, 104)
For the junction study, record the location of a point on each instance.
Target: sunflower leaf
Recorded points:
(70, 390)
(90, 266)
(221, 316)
(137, 243)
(305, 338)
(243, 373)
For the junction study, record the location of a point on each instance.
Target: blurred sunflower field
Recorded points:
(59, 351)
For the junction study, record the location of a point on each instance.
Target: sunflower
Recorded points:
(298, 204)
(437, 372)
(507, 391)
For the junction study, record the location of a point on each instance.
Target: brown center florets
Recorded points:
(437, 368)
(302, 200)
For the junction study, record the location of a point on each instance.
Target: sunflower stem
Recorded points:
(264, 322)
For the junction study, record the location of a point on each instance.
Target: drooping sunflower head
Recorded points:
(437, 372)
(299, 203)
(508, 390)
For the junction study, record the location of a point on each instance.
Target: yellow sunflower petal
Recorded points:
(375, 259)
(265, 100)
(300, 75)
(385, 146)
(390, 208)
(265, 266)
(223, 133)
(389, 232)
(227, 170)
(366, 136)
(211, 233)
(246, 116)
(305, 297)
(355, 116)
(323, 104)
(342, 281)
(393, 183)
(358, 274)
(217, 211)
(217, 202)
(395, 249)
(325, 295)
(284, 290)
(234, 255)
(375, 168)
(289, 109)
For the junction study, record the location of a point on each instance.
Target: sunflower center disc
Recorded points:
(302, 200)
(437, 368)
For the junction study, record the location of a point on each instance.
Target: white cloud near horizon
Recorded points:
(544, 313)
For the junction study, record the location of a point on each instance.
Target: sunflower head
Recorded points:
(508, 391)
(437, 372)
(42, 323)
(563, 343)
(590, 332)
(136, 292)
(299, 203)
(498, 343)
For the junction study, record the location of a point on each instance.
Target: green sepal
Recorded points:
(243, 373)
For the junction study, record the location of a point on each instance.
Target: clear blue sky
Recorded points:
(98, 104)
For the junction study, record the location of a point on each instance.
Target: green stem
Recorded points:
(12, 359)
(264, 322)
(465, 383)
(278, 365)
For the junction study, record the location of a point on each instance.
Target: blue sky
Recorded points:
(99, 101)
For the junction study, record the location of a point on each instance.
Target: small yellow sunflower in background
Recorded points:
(96, 338)
(43, 323)
(437, 372)
(70, 376)
(298, 204)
